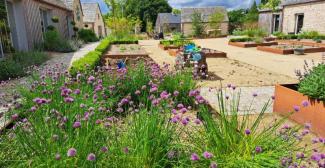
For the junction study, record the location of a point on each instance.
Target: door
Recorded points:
(44, 19)
(276, 23)
(299, 23)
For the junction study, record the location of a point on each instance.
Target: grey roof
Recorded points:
(58, 3)
(68, 3)
(294, 2)
(169, 18)
(89, 10)
(187, 13)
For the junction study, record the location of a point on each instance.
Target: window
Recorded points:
(299, 23)
(276, 23)
(44, 19)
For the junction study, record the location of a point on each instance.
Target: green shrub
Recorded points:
(313, 84)
(243, 39)
(87, 35)
(15, 65)
(89, 61)
(53, 42)
(251, 33)
(102, 47)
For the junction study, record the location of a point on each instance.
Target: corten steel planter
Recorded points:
(248, 45)
(172, 52)
(305, 43)
(287, 96)
(289, 50)
(168, 47)
(210, 53)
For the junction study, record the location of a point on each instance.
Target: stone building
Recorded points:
(168, 22)
(93, 18)
(206, 12)
(294, 16)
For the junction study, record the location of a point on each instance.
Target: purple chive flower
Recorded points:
(180, 106)
(195, 157)
(33, 109)
(213, 165)
(314, 140)
(305, 103)
(174, 111)
(153, 89)
(316, 157)
(176, 93)
(185, 121)
(76, 124)
(247, 131)
(138, 92)
(126, 150)
(104, 149)
(14, 117)
(91, 157)
(144, 87)
(77, 91)
(68, 99)
(57, 156)
(72, 152)
(233, 87)
(258, 149)
(119, 110)
(300, 155)
(207, 155)
(183, 110)
(197, 121)
(227, 97)
(307, 125)
(273, 97)
(254, 94)
(91, 79)
(296, 108)
(229, 85)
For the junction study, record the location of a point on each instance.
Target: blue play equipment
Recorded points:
(121, 64)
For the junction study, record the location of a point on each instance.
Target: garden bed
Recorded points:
(168, 47)
(287, 97)
(285, 49)
(251, 44)
(302, 42)
(123, 52)
(172, 52)
(210, 53)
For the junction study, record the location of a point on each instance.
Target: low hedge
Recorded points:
(242, 39)
(92, 59)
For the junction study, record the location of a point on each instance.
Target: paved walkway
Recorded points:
(8, 88)
(158, 55)
(248, 103)
(281, 64)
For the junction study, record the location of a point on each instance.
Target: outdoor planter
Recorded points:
(168, 47)
(299, 51)
(287, 96)
(210, 53)
(304, 43)
(172, 52)
(251, 44)
(289, 50)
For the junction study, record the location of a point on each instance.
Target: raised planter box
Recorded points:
(172, 52)
(289, 50)
(287, 96)
(167, 47)
(249, 44)
(305, 43)
(210, 53)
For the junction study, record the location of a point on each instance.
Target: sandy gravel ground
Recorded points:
(281, 64)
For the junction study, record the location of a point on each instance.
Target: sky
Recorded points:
(229, 4)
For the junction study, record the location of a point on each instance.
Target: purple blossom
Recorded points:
(307, 125)
(14, 117)
(176, 93)
(213, 165)
(72, 152)
(316, 157)
(153, 89)
(137, 92)
(164, 95)
(296, 108)
(254, 94)
(119, 110)
(68, 100)
(207, 155)
(185, 121)
(300, 155)
(104, 149)
(197, 121)
(33, 109)
(76, 124)
(91, 157)
(183, 110)
(91, 79)
(273, 97)
(195, 157)
(57, 156)
(77, 91)
(126, 150)
(258, 149)
(174, 111)
(247, 131)
(305, 103)
(180, 106)
(229, 85)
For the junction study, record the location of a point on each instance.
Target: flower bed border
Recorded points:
(288, 51)
(249, 45)
(167, 47)
(286, 97)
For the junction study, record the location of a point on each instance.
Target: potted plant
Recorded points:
(55, 19)
(307, 98)
(299, 50)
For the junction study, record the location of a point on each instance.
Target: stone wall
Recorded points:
(265, 21)
(314, 17)
(187, 28)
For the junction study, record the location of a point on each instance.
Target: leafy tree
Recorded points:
(215, 22)
(149, 28)
(146, 10)
(198, 26)
(176, 11)
(270, 4)
(236, 19)
(252, 15)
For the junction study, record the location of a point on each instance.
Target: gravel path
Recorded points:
(157, 54)
(9, 88)
(264, 94)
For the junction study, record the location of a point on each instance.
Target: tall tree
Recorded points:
(236, 19)
(215, 22)
(252, 15)
(198, 26)
(146, 10)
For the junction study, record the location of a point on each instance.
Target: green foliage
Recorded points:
(242, 39)
(103, 46)
(176, 11)
(149, 29)
(303, 35)
(89, 61)
(55, 19)
(252, 14)
(87, 35)
(236, 19)
(198, 26)
(271, 4)
(251, 33)
(16, 64)
(53, 42)
(215, 22)
(313, 84)
(177, 43)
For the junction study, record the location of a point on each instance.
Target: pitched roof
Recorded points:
(294, 2)
(68, 3)
(90, 10)
(57, 3)
(169, 18)
(206, 12)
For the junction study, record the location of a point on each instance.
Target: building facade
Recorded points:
(93, 19)
(168, 22)
(294, 16)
